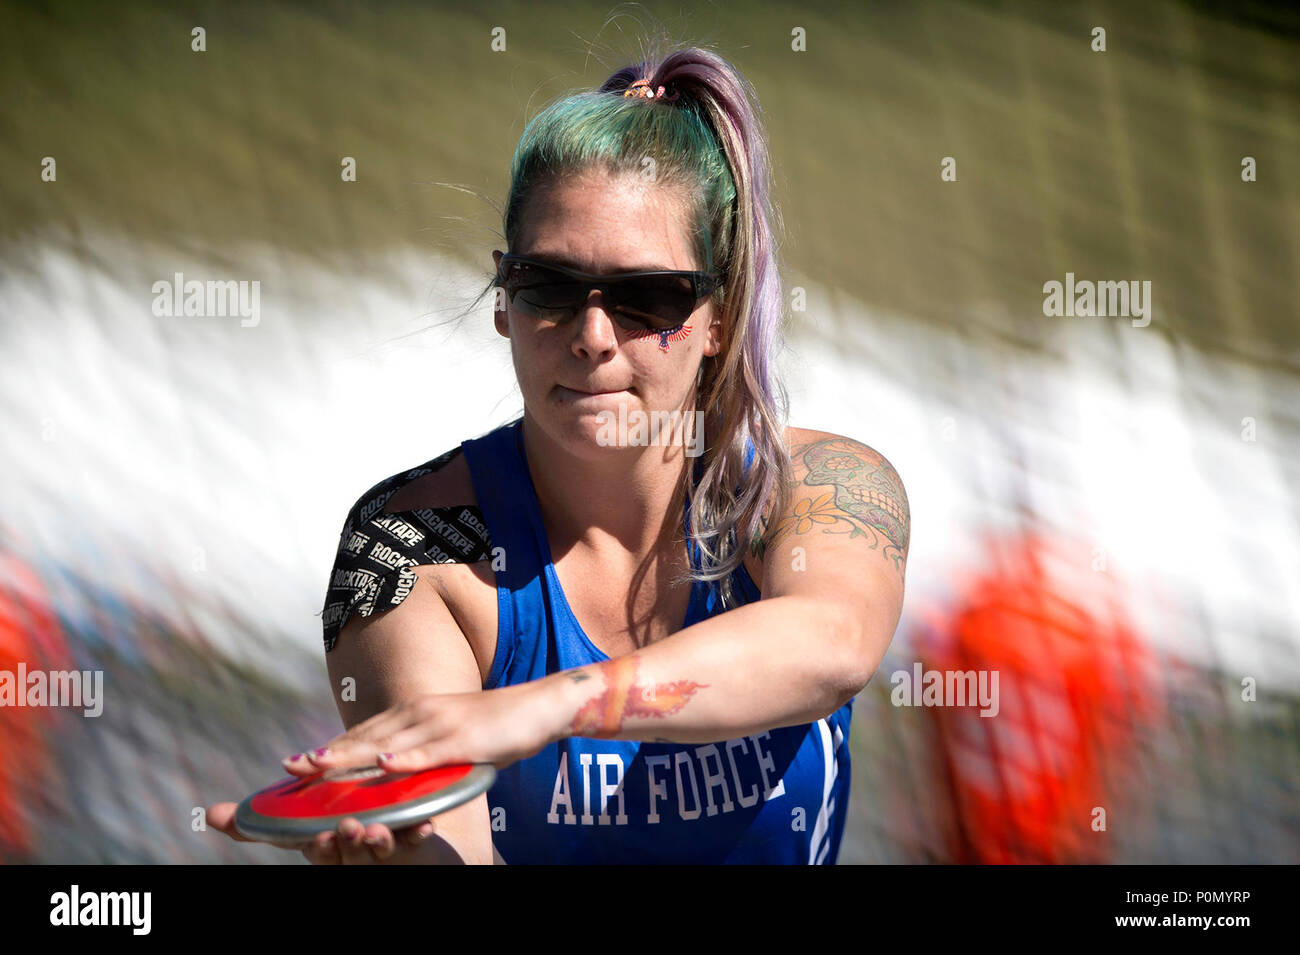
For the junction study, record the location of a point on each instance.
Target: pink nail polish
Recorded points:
(293, 759)
(320, 752)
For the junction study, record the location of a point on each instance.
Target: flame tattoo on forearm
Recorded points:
(603, 714)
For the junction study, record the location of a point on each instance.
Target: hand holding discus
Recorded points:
(368, 795)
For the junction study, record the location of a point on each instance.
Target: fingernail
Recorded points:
(292, 759)
(374, 841)
(385, 756)
(320, 752)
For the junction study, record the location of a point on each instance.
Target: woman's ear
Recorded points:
(713, 338)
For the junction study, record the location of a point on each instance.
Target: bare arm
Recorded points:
(416, 648)
(832, 597)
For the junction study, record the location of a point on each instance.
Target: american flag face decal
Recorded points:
(666, 336)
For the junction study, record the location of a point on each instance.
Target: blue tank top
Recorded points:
(778, 797)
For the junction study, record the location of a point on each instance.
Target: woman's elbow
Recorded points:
(866, 637)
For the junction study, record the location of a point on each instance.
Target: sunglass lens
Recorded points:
(651, 301)
(549, 297)
(658, 301)
(537, 290)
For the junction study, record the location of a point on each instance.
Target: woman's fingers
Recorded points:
(364, 845)
(382, 842)
(349, 844)
(346, 751)
(408, 756)
(414, 836)
(353, 844)
(407, 724)
(349, 837)
(433, 730)
(299, 765)
(323, 850)
(221, 817)
(359, 752)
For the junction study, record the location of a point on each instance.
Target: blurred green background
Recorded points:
(1125, 163)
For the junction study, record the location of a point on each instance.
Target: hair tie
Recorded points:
(641, 89)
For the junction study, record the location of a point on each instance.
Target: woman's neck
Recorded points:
(631, 498)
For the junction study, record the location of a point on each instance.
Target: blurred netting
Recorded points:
(1105, 514)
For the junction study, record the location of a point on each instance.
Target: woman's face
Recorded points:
(601, 225)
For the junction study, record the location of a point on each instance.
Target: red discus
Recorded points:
(296, 809)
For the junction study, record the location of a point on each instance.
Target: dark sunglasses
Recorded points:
(638, 301)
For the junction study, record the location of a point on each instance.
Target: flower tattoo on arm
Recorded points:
(859, 494)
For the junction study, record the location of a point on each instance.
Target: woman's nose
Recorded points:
(594, 332)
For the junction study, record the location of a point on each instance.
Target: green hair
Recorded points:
(619, 135)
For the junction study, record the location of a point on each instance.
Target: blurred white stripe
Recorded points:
(227, 456)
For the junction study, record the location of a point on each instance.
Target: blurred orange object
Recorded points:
(29, 633)
(1075, 682)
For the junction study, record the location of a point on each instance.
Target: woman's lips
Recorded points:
(576, 394)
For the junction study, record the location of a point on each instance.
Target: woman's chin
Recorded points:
(591, 414)
(589, 434)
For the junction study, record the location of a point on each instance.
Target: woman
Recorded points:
(565, 597)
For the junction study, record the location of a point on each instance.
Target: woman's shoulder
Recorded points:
(429, 510)
(811, 450)
(442, 481)
(423, 515)
(858, 477)
(799, 436)
(840, 478)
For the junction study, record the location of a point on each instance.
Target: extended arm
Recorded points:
(832, 597)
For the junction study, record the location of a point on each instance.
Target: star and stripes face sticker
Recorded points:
(666, 335)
